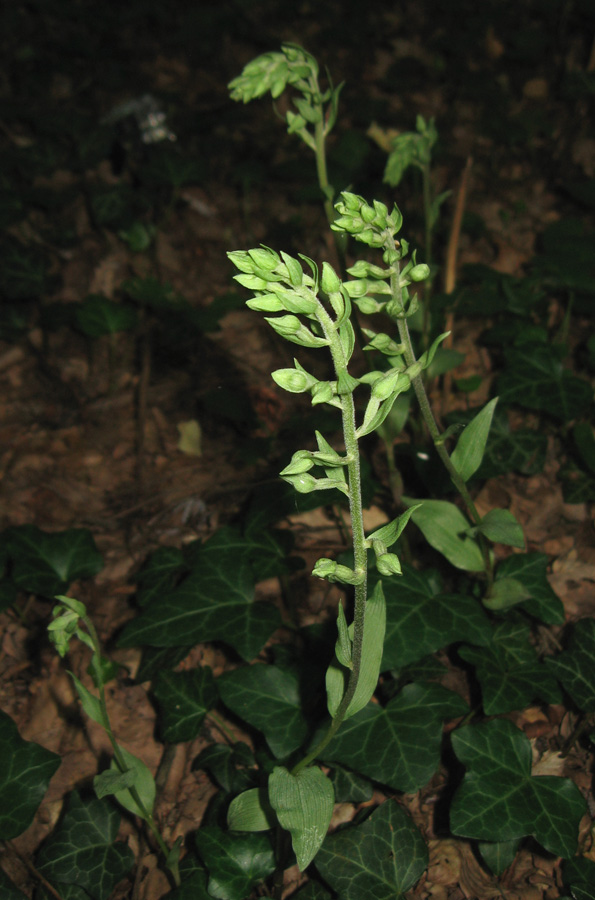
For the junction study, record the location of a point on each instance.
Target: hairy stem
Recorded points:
(432, 426)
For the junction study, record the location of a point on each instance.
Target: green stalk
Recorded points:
(357, 530)
(430, 421)
(121, 762)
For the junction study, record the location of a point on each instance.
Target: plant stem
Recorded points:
(430, 421)
(357, 530)
(145, 814)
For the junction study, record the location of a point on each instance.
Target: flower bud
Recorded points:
(265, 303)
(322, 392)
(264, 258)
(301, 462)
(252, 282)
(330, 281)
(296, 303)
(303, 483)
(419, 272)
(294, 380)
(385, 386)
(389, 564)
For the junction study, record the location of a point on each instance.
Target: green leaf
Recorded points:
(304, 806)
(468, 454)
(229, 767)
(499, 856)
(582, 435)
(184, 700)
(89, 702)
(349, 787)
(377, 860)
(499, 800)
(574, 667)
(509, 672)
(236, 863)
(501, 527)
(194, 881)
(534, 378)
(251, 811)
(373, 642)
(84, 851)
(419, 621)
(531, 570)
(506, 593)
(445, 527)
(47, 563)
(159, 573)
(579, 873)
(25, 773)
(98, 316)
(399, 745)
(521, 450)
(214, 602)
(143, 782)
(268, 698)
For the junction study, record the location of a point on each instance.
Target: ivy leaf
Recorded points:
(574, 667)
(184, 700)
(236, 862)
(228, 767)
(377, 860)
(530, 569)
(499, 855)
(45, 563)
(499, 799)
(83, 849)
(214, 602)
(304, 806)
(420, 621)
(268, 698)
(399, 745)
(509, 672)
(98, 316)
(535, 379)
(159, 574)
(25, 773)
(194, 881)
(349, 787)
(445, 527)
(468, 453)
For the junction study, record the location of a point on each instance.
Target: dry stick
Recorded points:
(34, 872)
(450, 271)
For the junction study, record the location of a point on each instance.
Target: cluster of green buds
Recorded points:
(272, 72)
(410, 148)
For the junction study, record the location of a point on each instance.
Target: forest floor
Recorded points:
(91, 430)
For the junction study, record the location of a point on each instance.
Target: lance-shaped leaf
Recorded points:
(304, 806)
(373, 642)
(468, 453)
(574, 667)
(499, 799)
(501, 527)
(379, 859)
(25, 773)
(445, 527)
